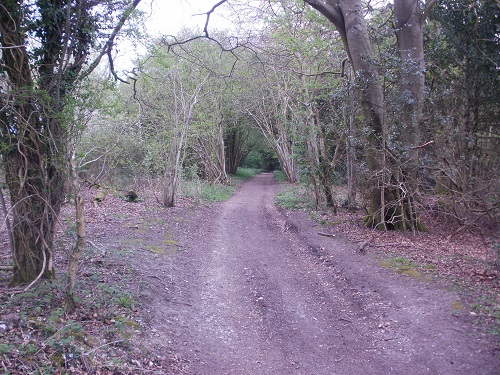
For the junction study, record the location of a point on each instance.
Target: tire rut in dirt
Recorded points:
(267, 296)
(261, 302)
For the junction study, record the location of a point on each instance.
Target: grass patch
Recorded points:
(170, 242)
(488, 311)
(402, 265)
(279, 176)
(155, 249)
(171, 246)
(399, 263)
(247, 173)
(217, 193)
(294, 197)
(206, 192)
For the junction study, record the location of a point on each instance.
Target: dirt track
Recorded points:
(257, 291)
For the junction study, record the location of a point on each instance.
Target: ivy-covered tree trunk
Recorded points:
(36, 113)
(34, 155)
(36, 200)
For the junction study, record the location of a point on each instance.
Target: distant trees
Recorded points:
(167, 91)
(293, 101)
(336, 112)
(182, 96)
(273, 112)
(307, 102)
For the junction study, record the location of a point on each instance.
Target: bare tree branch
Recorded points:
(208, 14)
(427, 10)
(109, 43)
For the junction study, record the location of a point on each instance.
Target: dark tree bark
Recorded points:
(36, 115)
(236, 141)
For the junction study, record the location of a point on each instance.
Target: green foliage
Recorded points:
(279, 176)
(247, 173)
(399, 263)
(253, 159)
(486, 306)
(125, 300)
(406, 266)
(46, 338)
(202, 190)
(261, 158)
(216, 193)
(112, 151)
(259, 155)
(294, 197)
(6, 348)
(463, 48)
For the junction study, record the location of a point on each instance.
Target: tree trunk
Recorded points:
(326, 167)
(411, 47)
(36, 117)
(349, 121)
(347, 16)
(36, 201)
(76, 252)
(236, 141)
(170, 182)
(399, 186)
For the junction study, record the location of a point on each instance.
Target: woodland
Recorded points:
(389, 109)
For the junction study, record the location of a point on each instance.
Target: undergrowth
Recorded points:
(204, 191)
(247, 173)
(217, 193)
(294, 197)
(39, 337)
(279, 176)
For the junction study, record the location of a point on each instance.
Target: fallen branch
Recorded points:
(465, 226)
(364, 245)
(6, 268)
(97, 247)
(422, 146)
(155, 277)
(390, 244)
(179, 303)
(361, 248)
(326, 234)
(102, 346)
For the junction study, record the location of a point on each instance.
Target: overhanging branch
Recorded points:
(109, 43)
(427, 10)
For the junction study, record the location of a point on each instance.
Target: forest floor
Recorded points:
(245, 287)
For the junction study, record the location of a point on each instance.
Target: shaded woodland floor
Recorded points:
(154, 294)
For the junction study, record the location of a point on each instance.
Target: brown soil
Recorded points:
(253, 290)
(243, 287)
